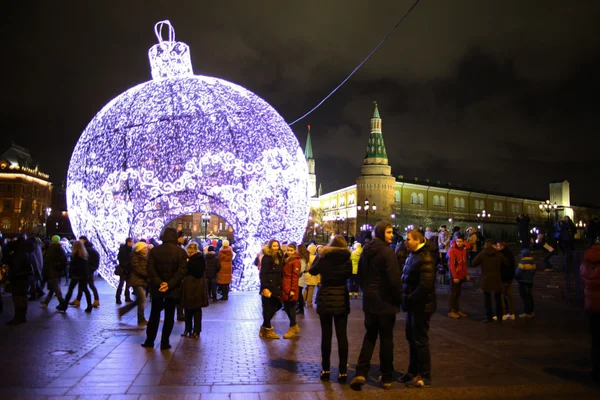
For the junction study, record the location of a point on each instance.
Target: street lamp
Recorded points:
(48, 211)
(548, 208)
(394, 220)
(482, 217)
(367, 209)
(205, 219)
(338, 218)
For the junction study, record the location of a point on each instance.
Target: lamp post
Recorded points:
(393, 220)
(580, 226)
(548, 208)
(48, 211)
(205, 219)
(367, 209)
(338, 219)
(482, 217)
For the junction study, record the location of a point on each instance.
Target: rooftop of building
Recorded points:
(17, 159)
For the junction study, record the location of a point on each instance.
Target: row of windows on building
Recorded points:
(333, 203)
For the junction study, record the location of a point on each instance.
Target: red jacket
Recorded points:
(291, 274)
(590, 275)
(457, 261)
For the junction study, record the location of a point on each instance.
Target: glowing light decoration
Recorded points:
(180, 144)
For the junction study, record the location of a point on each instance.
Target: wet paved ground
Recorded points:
(81, 356)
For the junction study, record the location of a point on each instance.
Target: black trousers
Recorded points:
(526, 292)
(456, 290)
(83, 283)
(269, 308)
(300, 301)
(211, 286)
(123, 282)
(92, 286)
(341, 324)
(353, 283)
(158, 304)
(381, 326)
(224, 291)
(193, 315)
(290, 309)
(595, 329)
(487, 298)
(19, 296)
(417, 335)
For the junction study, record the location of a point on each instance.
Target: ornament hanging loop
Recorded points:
(158, 30)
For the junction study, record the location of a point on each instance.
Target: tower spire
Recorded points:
(310, 161)
(376, 153)
(308, 153)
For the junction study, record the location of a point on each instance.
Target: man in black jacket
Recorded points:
(419, 302)
(124, 259)
(166, 269)
(380, 280)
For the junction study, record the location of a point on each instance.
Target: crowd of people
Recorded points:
(394, 274)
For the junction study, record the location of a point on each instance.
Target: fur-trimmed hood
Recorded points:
(328, 249)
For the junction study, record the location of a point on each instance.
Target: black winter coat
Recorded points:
(194, 293)
(93, 256)
(138, 274)
(335, 267)
(212, 265)
(418, 280)
(79, 269)
(124, 258)
(507, 271)
(166, 263)
(380, 278)
(491, 261)
(55, 262)
(271, 274)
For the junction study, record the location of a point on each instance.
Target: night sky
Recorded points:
(494, 95)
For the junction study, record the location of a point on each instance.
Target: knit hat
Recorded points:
(55, 239)
(312, 249)
(139, 246)
(211, 248)
(525, 253)
(225, 243)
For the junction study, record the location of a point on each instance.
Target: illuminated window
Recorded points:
(421, 199)
(5, 224)
(462, 203)
(342, 201)
(436, 200)
(397, 196)
(351, 198)
(442, 201)
(413, 198)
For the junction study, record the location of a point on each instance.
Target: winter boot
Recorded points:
(75, 303)
(269, 333)
(291, 332)
(96, 304)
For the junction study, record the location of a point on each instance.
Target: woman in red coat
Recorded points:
(289, 288)
(226, 272)
(590, 275)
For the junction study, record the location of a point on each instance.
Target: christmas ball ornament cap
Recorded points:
(169, 58)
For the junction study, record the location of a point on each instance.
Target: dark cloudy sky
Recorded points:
(496, 95)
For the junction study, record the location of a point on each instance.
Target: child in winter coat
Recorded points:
(311, 281)
(524, 275)
(355, 257)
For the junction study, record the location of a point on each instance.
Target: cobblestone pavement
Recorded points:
(77, 356)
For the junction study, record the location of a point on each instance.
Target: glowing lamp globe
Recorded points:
(181, 144)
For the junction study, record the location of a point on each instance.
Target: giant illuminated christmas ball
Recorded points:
(181, 144)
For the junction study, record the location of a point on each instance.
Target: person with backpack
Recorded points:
(93, 263)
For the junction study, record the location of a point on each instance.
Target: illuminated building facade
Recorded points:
(405, 201)
(25, 193)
